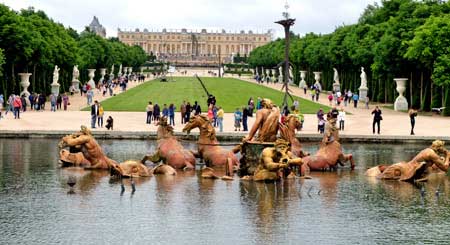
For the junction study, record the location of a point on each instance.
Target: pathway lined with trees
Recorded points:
(399, 38)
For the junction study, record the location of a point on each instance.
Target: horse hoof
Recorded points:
(227, 178)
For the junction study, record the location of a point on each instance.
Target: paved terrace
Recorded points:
(395, 125)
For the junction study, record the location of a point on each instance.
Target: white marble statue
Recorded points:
(75, 73)
(336, 76)
(363, 78)
(112, 69)
(55, 75)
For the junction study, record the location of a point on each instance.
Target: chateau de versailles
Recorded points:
(184, 46)
(190, 47)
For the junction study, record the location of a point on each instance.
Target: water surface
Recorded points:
(340, 207)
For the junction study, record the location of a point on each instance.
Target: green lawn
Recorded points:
(230, 93)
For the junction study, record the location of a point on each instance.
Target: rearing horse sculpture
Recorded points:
(208, 147)
(330, 152)
(170, 151)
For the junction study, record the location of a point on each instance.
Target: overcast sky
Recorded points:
(319, 16)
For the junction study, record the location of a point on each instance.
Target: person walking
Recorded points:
(65, 99)
(376, 119)
(367, 102)
(172, 109)
(58, 102)
(320, 117)
(183, 112)
(2, 100)
(94, 113)
(17, 104)
(100, 115)
(149, 110)
(53, 100)
(156, 112)
(237, 120)
(188, 112)
(245, 115)
(355, 100)
(341, 119)
(220, 114)
(412, 116)
(24, 103)
(312, 91)
(196, 109)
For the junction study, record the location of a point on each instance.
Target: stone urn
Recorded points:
(91, 78)
(102, 73)
(401, 104)
(302, 83)
(317, 78)
(25, 83)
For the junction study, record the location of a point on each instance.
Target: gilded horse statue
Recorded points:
(208, 147)
(169, 150)
(329, 154)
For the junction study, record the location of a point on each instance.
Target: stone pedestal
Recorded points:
(363, 93)
(76, 85)
(25, 83)
(55, 88)
(91, 78)
(337, 87)
(401, 104)
(302, 83)
(102, 73)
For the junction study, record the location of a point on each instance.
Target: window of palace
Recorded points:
(228, 38)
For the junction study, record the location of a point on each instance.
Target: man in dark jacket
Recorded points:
(94, 113)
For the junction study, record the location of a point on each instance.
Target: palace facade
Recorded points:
(192, 48)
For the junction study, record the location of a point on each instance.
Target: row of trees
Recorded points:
(399, 38)
(32, 42)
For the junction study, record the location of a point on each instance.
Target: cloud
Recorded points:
(232, 15)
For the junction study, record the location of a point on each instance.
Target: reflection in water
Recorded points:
(340, 207)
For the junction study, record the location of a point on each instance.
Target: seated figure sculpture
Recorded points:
(266, 123)
(435, 156)
(274, 160)
(91, 156)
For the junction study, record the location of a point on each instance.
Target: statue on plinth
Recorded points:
(55, 85)
(75, 82)
(336, 84)
(363, 88)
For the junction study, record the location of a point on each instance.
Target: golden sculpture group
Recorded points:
(278, 158)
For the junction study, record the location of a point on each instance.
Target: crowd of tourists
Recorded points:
(17, 104)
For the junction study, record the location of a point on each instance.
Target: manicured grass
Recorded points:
(229, 92)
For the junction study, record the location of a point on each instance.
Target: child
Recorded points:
(322, 125)
(237, 120)
(109, 123)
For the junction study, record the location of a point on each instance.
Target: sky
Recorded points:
(318, 16)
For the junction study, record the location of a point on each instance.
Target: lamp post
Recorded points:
(286, 23)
